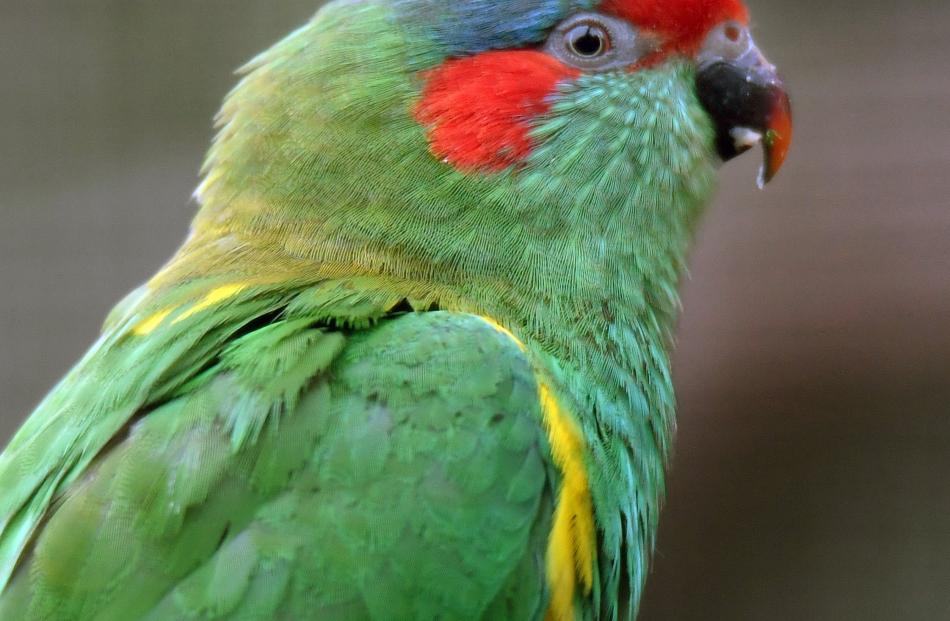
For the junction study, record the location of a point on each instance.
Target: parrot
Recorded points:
(412, 360)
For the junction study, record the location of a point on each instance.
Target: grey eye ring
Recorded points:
(595, 42)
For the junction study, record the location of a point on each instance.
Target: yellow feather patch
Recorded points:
(215, 296)
(148, 325)
(571, 542)
(570, 556)
(504, 330)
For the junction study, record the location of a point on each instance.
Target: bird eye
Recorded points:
(588, 40)
(595, 42)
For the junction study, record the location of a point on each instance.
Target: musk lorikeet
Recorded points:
(412, 360)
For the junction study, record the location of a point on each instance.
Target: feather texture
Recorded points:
(303, 414)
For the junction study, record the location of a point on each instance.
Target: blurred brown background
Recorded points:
(812, 476)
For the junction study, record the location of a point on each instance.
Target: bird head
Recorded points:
(440, 140)
(483, 109)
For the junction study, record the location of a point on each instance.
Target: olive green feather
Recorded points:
(303, 414)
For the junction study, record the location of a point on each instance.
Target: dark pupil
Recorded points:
(589, 43)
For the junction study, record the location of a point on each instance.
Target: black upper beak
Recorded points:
(746, 99)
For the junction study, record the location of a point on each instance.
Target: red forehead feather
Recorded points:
(685, 22)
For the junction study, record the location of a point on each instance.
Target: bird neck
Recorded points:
(581, 263)
(598, 296)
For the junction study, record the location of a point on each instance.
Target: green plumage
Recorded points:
(302, 415)
(367, 443)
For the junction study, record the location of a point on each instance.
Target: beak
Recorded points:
(745, 97)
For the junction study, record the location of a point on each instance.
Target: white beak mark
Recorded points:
(745, 138)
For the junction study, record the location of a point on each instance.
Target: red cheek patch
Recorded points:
(477, 110)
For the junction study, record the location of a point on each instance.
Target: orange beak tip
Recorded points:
(777, 139)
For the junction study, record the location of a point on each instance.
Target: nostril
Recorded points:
(729, 40)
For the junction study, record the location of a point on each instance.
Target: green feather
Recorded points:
(393, 455)
(299, 416)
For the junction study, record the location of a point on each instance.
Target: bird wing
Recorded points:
(307, 454)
